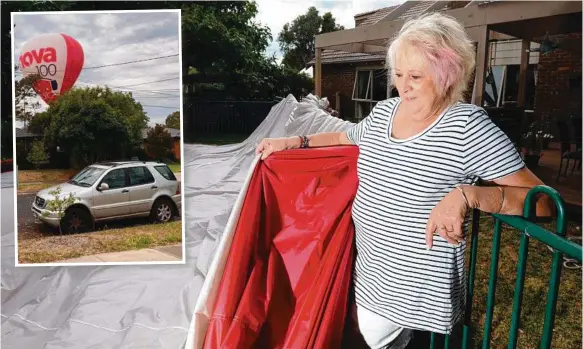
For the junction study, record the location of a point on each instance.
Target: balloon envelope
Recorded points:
(57, 59)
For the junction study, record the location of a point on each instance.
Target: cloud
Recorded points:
(361, 6)
(116, 37)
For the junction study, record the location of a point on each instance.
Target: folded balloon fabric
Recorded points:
(287, 278)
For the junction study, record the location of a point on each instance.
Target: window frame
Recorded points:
(370, 84)
(169, 170)
(126, 176)
(128, 169)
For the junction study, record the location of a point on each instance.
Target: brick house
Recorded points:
(175, 134)
(354, 82)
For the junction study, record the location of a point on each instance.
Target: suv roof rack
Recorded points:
(107, 163)
(113, 163)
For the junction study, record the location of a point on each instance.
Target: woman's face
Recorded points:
(413, 79)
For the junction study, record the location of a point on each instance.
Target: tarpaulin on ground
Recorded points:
(141, 306)
(286, 280)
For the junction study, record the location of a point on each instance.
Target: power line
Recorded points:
(159, 106)
(101, 84)
(130, 89)
(160, 90)
(144, 83)
(156, 97)
(135, 92)
(123, 63)
(130, 62)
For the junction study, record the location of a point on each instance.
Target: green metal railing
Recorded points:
(557, 241)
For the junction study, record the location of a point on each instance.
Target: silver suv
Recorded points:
(113, 190)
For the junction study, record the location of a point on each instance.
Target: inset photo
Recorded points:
(97, 138)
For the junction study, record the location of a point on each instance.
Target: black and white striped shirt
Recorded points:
(400, 181)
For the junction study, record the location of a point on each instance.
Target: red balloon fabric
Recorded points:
(57, 59)
(288, 274)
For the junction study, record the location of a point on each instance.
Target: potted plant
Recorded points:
(533, 144)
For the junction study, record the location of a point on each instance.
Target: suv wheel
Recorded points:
(76, 220)
(162, 211)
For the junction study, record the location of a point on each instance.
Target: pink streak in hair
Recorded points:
(446, 64)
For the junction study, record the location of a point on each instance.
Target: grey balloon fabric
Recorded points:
(141, 306)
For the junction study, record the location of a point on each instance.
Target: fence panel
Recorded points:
(555, 240)
(209, 117)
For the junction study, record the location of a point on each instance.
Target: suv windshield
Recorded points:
(87, 176)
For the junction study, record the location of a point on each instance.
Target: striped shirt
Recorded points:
(400, 182)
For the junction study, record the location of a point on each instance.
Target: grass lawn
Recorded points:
(32, 176)
(54, 248)
(31, 181)
(34, 187)
(567, 329)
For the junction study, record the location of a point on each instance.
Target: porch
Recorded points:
(569, 187)
(528, 27)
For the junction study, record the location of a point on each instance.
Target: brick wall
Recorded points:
(558, 90)
(340, 78)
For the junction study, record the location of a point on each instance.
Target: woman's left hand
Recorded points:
(447, 218)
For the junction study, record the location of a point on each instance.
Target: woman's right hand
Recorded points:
(270, 145)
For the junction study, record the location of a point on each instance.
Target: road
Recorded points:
(23, 205)
(27, 227)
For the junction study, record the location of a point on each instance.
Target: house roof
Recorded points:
(373, 17)
(24, 133)
(416, 9)
(370, 18)
(174, 132)
(366, 18)
(330, 57)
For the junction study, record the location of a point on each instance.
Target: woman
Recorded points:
(420, 156)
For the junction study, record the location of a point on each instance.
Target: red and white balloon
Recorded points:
(57, 58)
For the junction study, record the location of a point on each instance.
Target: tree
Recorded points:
(59, 204)
(93, 124)
(39, 123)
(159, 143)
(38, 155)
(173, 120)
(24, 93)
(226, 33)
(234, 46)
(297, 40)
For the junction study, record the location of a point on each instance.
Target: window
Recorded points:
(510, 94)
(87, 176)
(502, 85)
(165, 172)
(115, 179)
(370, 87)
(140, 175)
(495, 78)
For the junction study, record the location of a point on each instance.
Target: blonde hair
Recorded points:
(447, 49)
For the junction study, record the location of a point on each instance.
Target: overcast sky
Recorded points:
(118, 37)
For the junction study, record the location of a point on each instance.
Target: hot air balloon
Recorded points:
(57, 59)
